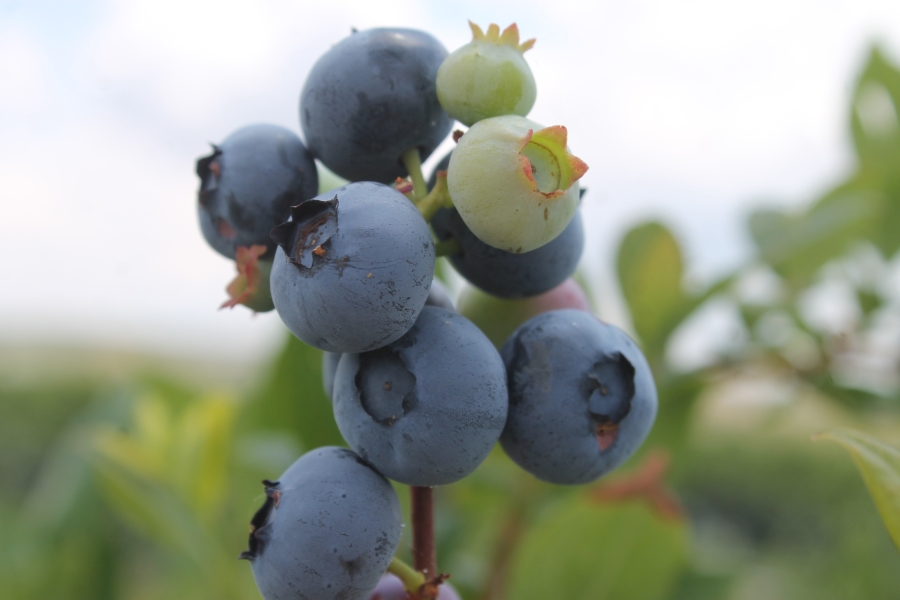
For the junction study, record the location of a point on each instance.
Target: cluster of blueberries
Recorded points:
(420, 394)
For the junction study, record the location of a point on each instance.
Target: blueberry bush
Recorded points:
(644, 478)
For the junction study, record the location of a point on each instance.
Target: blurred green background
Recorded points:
(133, 477)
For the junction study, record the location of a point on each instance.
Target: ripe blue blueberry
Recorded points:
(427, 409)
(505, 274)
(249, 183)
(581, 397)
(371, 98)
(327, 531)
(437, 296)
(353, 268)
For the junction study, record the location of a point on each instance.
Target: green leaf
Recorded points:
(293, 400)
(874, 115)
(153, 511)
(650, 271)
(203, 451)
(864, 207)
(702, 586)
(879, 465)
(875, 123)
(868, 301)
(677, 396)
(584, 550)
(797, 245)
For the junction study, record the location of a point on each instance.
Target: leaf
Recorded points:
(152, 510)
(650, 271)
(879, 465)
(875, 123)
(203, 453)
(868, 301)
(797, 245)
(875, 113)
(864, 207)
(677, 397)
(702, 586)
(589, 551)
(293, 399)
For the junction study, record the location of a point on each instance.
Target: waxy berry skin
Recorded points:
(581, 397)
(427, 409)
(505, 274)
(327, 531)
(353, 268)
(437, 296)
(249, 183)
(371, 98)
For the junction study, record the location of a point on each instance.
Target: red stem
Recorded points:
(423, 548)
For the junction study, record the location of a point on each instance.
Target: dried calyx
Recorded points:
(251, 285)
(609, 390)
(260, 522)
(305, 236)
(209, 171)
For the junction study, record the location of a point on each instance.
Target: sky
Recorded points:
(691, 112)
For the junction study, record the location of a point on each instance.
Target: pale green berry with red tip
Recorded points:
(514, 182)
(488, 77)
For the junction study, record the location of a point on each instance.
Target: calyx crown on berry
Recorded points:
(312, 223)
(547, 162)
(509, 37)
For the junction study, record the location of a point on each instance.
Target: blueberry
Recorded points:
(353, 268)
(437, 296)
(427, 409)
(249, 183)
(327, 531)
(581, 397)
(514, 182)
(505, 274)
(391, 588)
(488, 76)
(370, 99)
(509, 275)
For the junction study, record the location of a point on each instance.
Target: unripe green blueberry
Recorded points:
(514, 182)
(488, 77)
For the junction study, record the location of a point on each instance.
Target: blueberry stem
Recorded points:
(447, 247)
(412, 579)
(437, 198)
(413, 163)
(423, 546)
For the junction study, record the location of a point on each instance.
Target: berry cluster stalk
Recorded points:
(423, 547)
